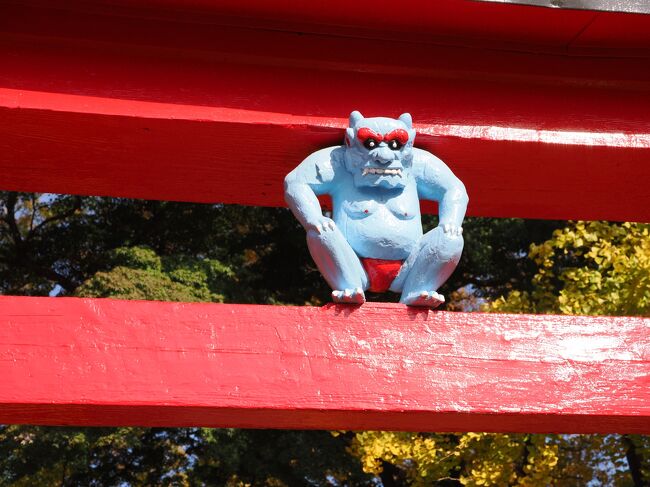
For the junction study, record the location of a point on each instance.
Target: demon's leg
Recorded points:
(428, 267)
(338, 263)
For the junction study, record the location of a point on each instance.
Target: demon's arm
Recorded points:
(314, 176)
(436, 182)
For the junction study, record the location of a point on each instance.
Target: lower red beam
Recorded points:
(379, 366)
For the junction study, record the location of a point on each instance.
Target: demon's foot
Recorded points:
(354, 296)
(429, 299)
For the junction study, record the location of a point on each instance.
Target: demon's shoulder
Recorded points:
(319, 169)
(426, 166)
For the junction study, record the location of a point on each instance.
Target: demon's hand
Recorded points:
(452, 230)
(321, 225)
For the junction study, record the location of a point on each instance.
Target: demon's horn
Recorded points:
(355, 117)
(406, 118)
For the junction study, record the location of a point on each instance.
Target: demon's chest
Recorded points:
(372, 204)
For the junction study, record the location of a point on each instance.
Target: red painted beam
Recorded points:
(458, 22)
(137, 107)
(67, 361)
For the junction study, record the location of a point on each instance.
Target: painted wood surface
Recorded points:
(459, 22)
(101, 103)
(379, 366)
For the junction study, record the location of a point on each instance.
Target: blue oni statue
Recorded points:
(374, 240)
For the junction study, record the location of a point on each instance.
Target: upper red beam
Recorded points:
(459, 22)
(122, 105)
(67, 361)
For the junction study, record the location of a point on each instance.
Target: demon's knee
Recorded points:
(443, 247)
(335, 259)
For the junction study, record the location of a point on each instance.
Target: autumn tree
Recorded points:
(591, 268)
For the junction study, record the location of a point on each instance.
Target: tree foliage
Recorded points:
(594, 268)
(139, 273)
(495, 460)
(34, 455)
(472, 459)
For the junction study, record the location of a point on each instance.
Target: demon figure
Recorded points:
(374, 240)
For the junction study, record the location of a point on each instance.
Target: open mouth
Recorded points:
(386, 172)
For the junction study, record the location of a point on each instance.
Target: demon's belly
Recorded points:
(380, 234)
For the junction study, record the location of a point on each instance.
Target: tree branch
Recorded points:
(10, 218)
(391, 476)
(633, 461)
(33, 216)
(60, 216)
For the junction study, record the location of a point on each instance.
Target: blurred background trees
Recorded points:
(133, 249)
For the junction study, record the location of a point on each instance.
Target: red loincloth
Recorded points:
(381, 273)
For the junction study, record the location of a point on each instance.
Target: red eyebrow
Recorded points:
(400, 135)
(365, 133)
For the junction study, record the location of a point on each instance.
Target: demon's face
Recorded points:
(379, 151)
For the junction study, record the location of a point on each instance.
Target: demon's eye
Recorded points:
(370, 143)
(394, 144)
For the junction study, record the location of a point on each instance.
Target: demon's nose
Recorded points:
(383, 155)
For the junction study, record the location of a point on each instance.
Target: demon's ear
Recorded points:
(355, 117)
(349, 136)
(406, 119)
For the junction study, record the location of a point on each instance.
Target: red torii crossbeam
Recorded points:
(138, 101)
(73, 361)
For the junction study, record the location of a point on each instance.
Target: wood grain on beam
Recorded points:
(70, 361)
(92, 104)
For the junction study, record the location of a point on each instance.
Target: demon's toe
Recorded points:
(429, 299)
(352, 296)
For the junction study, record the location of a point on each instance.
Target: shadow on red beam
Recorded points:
(443, 21)
(192, 416)
(378, 366)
